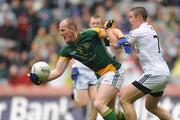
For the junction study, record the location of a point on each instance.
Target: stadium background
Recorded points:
(29, 33)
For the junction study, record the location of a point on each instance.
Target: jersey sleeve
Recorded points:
(100, 32)
(132, 36)
(64, 58)
(64, 53)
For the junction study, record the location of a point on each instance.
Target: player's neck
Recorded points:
(76, 38)
(140, 23)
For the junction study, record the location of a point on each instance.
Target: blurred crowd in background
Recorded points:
(29, 32)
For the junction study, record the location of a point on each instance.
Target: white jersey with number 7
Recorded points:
(149, 51)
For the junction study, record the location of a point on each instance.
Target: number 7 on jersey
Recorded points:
(155, 36)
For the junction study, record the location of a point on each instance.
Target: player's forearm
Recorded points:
(59, 69)
(54, 74)
(112, 37)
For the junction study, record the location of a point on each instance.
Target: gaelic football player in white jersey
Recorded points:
(155, 70)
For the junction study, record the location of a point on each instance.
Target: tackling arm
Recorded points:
(116, 37)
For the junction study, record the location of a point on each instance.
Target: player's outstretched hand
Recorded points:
(34, 79)
(108, 24)
(125, 44)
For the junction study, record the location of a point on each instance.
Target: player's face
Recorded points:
(134, 20)
(67, 33)
(95, 22)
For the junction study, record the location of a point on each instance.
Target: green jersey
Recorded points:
(90, 50)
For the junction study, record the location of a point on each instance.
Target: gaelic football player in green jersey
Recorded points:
(85, 81)
(88, 48)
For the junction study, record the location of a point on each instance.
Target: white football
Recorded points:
(41, 69)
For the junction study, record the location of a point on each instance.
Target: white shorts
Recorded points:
(85, 78)
(115, 79)
(152, 84)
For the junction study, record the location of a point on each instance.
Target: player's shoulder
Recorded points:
(134, 32)
(90, 31)
(87, 31)
(142, 29)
